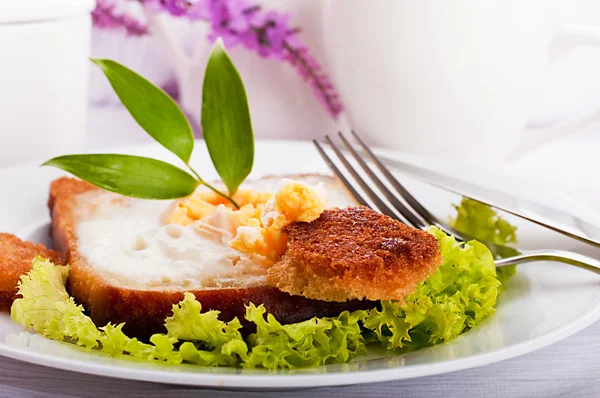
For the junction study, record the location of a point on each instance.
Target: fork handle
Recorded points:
(576, 259)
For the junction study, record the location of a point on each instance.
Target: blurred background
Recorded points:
(279, 98)
(284, 105)
(570, 85)
(419, 77)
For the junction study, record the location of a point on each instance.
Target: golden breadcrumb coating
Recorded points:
(354, 253)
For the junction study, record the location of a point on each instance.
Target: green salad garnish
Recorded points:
(483, 223)
(458, 297)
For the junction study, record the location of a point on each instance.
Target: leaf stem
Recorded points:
(196, 174)
(215, 190)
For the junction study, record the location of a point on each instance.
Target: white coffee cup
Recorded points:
(43, 77)
(449, 78)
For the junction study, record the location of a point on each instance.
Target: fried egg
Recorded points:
(201, 241)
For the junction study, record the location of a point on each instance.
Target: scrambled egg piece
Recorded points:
(202, 204)
(257, 225)
(295, 201)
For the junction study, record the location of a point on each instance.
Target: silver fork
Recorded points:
(411, 212)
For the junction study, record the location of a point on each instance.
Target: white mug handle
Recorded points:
(566, 39)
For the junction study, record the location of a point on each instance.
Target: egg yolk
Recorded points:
(261, 218)
(202, 204)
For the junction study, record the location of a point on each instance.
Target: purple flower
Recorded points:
(237, 18)
(174, 7)
(237, 22)
(105, 16)
(277, 33)
(309, 69)
(267, 34)
(229, 20)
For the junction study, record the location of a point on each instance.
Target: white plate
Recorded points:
(543, 303)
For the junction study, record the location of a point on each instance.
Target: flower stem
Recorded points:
(307, 66)
(215, 190)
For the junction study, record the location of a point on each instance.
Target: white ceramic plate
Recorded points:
(543, 303)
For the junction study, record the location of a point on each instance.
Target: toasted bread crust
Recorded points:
(355, 253)
(144, 311)
(15, 261)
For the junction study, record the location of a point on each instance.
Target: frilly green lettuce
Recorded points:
(46, 307)
(207, 340)
(192, 336)
(311, 343)
(456, 298)
(482, 222)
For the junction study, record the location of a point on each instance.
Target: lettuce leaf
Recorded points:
(483, 223)
(317, 341)
(192, 336)
(45, 306)
(208, 341)
(460, 294)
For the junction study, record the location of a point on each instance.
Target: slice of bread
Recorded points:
(114, 293)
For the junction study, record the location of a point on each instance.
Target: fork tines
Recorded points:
(390, 197)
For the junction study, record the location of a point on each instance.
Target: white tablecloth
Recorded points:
(568, 368)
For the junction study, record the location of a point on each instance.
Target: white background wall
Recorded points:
(573, 83)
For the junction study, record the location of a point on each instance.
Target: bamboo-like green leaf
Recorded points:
(134, 176)
(151, 107)
(226, 124)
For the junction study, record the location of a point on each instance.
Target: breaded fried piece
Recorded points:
(15, 261)
(354, 253)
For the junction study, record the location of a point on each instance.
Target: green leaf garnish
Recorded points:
(227, 132)
(226, 124)
(134, 176)
(151, 107)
